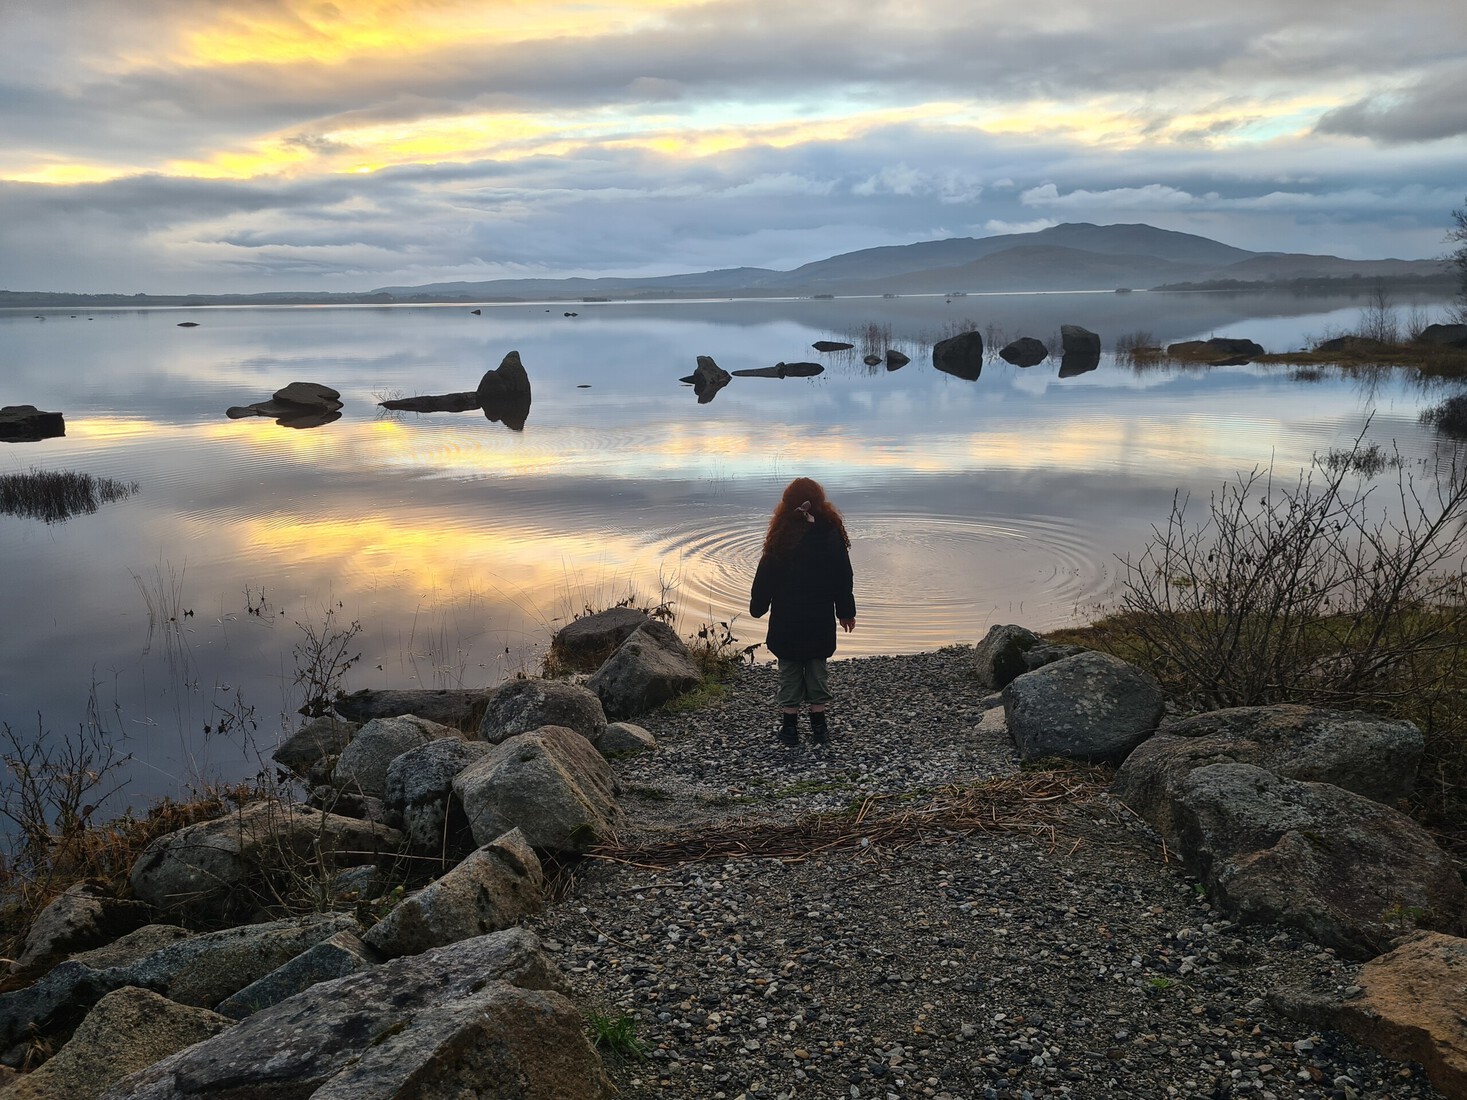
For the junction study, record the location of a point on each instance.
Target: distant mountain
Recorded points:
(1073, 256)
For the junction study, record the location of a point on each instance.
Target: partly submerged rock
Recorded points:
(782, 370)
(961, 355)
(504, 393)
(707, 379)
(1026, 351)
(28, 424)
(831, 345)
(444, 402)
(296, 405)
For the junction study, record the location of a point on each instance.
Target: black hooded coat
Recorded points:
(805, 591)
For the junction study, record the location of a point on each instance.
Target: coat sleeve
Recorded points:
(761, 595)
(845, 583)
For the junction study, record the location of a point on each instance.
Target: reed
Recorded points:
(54, 496)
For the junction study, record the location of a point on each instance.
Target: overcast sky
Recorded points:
(245, 145)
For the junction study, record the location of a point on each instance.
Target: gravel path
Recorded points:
(1062, 957)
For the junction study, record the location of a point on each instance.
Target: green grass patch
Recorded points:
(616, 1036)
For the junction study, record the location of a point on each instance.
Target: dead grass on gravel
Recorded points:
(1029, 803)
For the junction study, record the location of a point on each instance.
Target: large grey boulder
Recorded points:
(200, 971)
(420, 799)
(583, 644)
(448, 707)
(1349, 872)
(334, 957)
(999, 657)
(524, 705)
(484, 1017)
(82, 917)
(231, 866)
(311, 751)
(1091, 706)
(362, 766)
(1370, 755)
(1008, 651)
(961, 355)
(126, 1031)
(493, 888)
(551, 783)
(652, 666)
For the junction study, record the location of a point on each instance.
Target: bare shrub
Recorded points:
(1378, 320)
(1306, 592)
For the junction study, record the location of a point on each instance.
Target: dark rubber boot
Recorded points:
(819, 731)
(789, 730)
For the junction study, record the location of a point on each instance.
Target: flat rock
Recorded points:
(831, 345)
(1409, 1008)
(443, 402)
(484, 1018)
(28, 424)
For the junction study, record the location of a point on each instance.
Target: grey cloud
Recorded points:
(1432, 109)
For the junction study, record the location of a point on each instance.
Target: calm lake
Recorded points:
(460, 545)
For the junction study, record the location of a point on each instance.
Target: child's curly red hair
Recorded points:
(787, 525)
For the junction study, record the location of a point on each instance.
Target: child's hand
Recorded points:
(848, 625)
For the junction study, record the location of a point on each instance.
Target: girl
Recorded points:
(804, 579)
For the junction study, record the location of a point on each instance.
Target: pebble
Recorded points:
(1005, 965)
